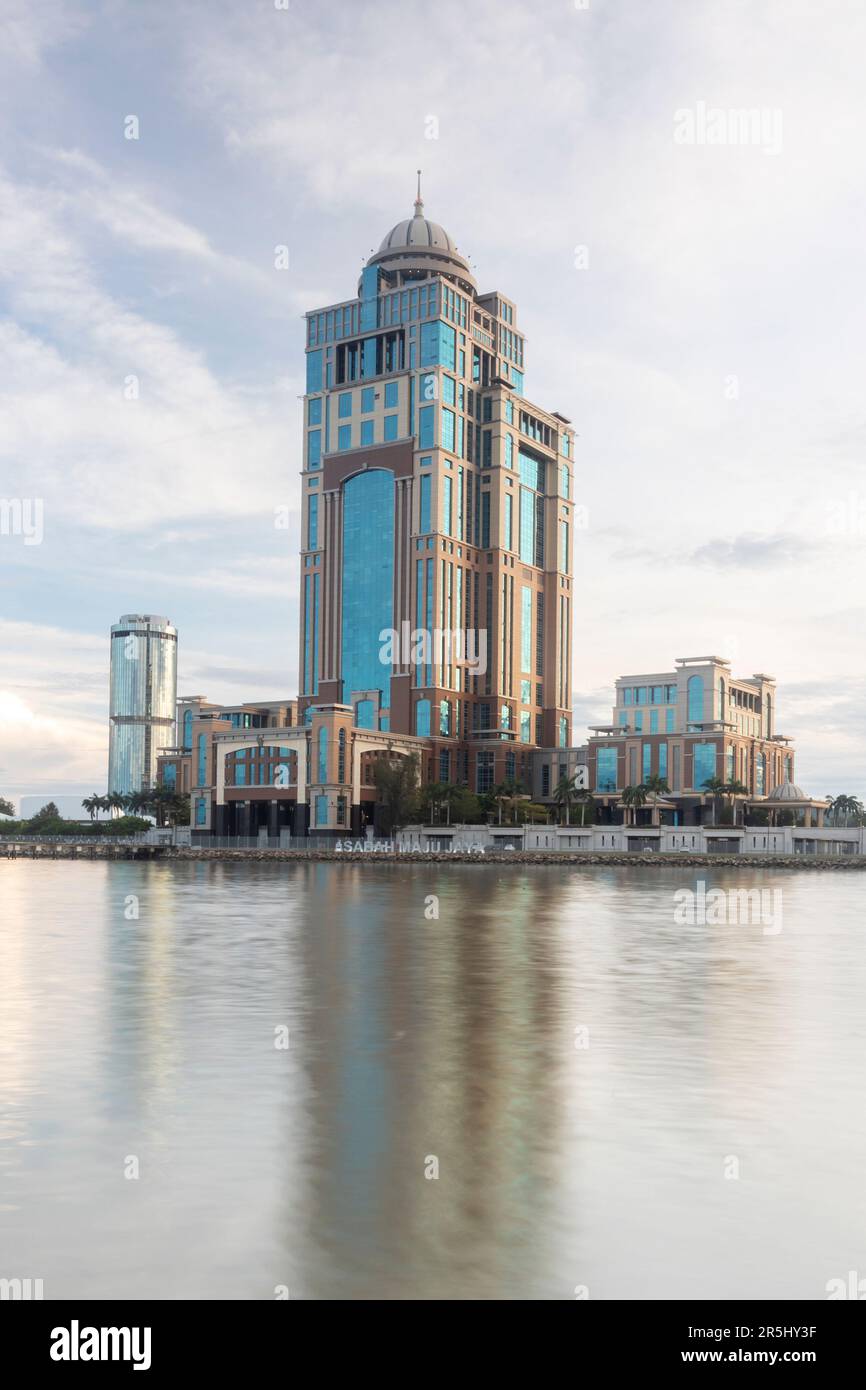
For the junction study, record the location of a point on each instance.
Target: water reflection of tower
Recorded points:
(428, 1038)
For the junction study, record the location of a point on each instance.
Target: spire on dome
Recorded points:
(419, 204)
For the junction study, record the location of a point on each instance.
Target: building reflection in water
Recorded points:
(429, 1040)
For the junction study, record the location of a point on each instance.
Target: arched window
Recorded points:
(323, 754)
(364, 714)
(696, 699)
(422, 717)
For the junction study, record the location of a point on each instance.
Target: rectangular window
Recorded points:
(448, 495)
(345, 405)
(314, 372)
(427, 426)
(344, 437)
(314, 411)
(605, 770)
(663, 760)
(314, 448)
(201, 810)
(392, 391)
(669, 721)
(527, 526)
(312, 522)
(483, 772)
(448, 390)
(424, 523)
(390, 428)
(525, 628)
(368, 400)
(509, 519)
(447, 430)
(654, 721)
(485, 520)
(525, 718)
(638, 721)
(646, 765)
(367, 433)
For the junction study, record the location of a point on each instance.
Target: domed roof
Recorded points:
(788, 791)
(419, 247)
(418, 231)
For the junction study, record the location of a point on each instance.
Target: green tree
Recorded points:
(734, 788)
(564, 796)
(716, 786)
(6, 807)
(633, 798)
(396, 782)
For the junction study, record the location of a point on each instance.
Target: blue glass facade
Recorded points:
(422, 718)
(704, 757)
(368, 580)
(438, 345)
(605, 775)
(364, 714)
(696, 699)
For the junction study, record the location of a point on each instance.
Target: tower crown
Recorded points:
(418, 247)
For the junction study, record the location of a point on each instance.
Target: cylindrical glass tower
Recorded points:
(142, 699)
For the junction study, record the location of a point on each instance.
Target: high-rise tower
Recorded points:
(143, 693)
(435, 496)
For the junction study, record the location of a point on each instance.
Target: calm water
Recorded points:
(413, 1039)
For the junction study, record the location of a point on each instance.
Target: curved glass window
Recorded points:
(422, 717)
(364, 714)
(323, 754)
(368, 580)
(705, 760)
(696, 700)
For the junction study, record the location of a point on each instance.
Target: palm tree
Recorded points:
(115, 801)
(846, 806)
(733, 787)
(565, 794)
(502, 792)
(585, 801)
(633, 798)
(656, 787)
(92, 805)
(716, 786)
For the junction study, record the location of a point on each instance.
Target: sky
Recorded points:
(691, 287)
